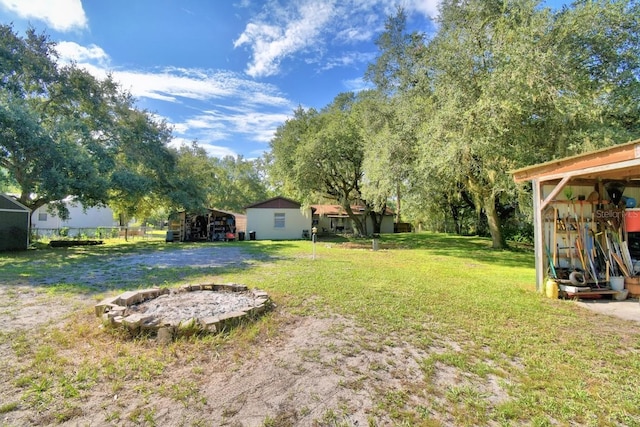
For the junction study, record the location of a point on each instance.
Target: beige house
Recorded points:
(278, 218)
(334, 219)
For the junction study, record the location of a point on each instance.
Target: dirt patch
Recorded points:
(178, 307)
(128, 268)
(25, 308)
(314, 372)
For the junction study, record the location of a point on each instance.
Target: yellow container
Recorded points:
(551, 289)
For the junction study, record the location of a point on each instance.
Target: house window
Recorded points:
(42, 216)
(278, 220)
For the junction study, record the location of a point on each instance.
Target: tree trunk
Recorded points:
(360, 227)
(398, 217)
(376, 220)
(493, 219)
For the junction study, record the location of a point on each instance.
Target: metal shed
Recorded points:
(582, 187)
(14, 224)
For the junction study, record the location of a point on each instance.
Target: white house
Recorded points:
(277, 219)
(93, 217)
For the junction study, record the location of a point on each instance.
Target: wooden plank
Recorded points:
(558, 188)
(592, 293)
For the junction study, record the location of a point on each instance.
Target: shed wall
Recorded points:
(14, 230)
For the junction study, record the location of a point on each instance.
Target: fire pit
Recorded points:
(169, 313)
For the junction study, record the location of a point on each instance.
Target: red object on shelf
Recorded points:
(632, 220)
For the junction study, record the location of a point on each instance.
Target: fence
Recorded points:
(90, 233)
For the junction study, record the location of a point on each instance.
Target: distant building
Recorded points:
(79, 217)
(334, 219)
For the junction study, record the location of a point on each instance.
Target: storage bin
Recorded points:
(616, 283)
(633, 285)
(632, 220)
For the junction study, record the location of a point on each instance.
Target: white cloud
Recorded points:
(178, 142)
(171, 84)
(218, 151)
(357, 85)
(355, 34)
(211, 149)
(427, 8)
(61, 15)
(288, 28)
(350, 59)
(71, 51)
(270, 43)
(220, 123)
(217, 105)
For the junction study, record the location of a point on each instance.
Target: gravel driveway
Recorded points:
(27, 304)
(117, 270)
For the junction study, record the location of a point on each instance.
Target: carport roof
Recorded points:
(619, 162)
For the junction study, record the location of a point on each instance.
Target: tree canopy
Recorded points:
(512, 84)
(319, 156)
(499, 85)
(64, 132)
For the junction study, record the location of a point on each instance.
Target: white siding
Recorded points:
(261, 220)
(92, 218)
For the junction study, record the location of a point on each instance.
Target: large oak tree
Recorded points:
(319, 156)
(64, 132)
(509, 83)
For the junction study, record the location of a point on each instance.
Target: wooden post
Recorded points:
(538, 234)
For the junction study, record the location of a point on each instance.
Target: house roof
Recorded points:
(275, 203)
(9, 204)
(336, 211)
(619, 162)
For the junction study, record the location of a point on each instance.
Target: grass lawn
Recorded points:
(509, 355)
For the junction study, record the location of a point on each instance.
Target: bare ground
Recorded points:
(312, 371)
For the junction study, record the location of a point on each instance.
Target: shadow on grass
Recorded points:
(465, 247)
(96, 269)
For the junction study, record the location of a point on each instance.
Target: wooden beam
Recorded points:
(593, 170)
(558, 188)
(606, 156)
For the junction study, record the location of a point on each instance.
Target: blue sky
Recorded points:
(225, 73)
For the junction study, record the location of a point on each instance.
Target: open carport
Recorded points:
(212, 225)
(585, 217)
